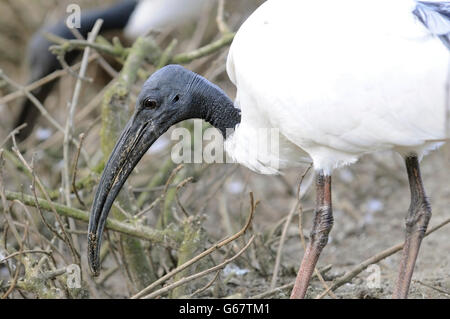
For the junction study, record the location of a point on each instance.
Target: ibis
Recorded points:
(134, 17)
(338, 79)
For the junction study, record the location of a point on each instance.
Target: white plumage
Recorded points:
(159, 14)
(338, 79)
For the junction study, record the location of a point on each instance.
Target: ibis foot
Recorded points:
(323, 222)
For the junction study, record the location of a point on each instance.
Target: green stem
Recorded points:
(187, 57)
(167, 237)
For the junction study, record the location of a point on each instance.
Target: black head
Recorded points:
(170, 95)
(167, 96)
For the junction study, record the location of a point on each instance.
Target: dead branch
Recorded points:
(167, 237)
(75, 169)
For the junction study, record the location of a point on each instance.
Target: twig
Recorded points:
(187, 57)
(222, 26)
(13, 132)
(289, 285)
(180, 186)
(32, 86)
(281, 245)
(149, 208)
(69, 123)
(6, 210)
(225, 215)
(168, 196)
(75, 169)
(200, 290)
(50, 227)
(31, 251)
(53, 273)
(29, 216)
(68, 241)
(81, 44)
(171, 177)
(432, 287)
(40, 107)
(66, 66)
(182, 58)
(34, 100)
(37, 232)
(64, 45)
(107, 274)
(201, 255)
(12, 227)
(66, 238)
(218, 185)
(165, 55)
(13, 284)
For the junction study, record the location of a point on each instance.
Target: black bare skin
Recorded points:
(171, 95)
(42, 62)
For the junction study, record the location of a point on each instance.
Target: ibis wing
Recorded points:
(436, 17)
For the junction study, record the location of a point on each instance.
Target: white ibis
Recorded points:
(339, 79)
(135, 17)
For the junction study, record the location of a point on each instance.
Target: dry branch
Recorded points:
(288, 286)
(213, 47)
(69, 125)
(48, 78)
(167, 237)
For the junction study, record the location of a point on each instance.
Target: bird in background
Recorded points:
(338, 79)
(136, 18)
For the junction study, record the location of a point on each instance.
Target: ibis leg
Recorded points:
(323, 221)
(417, 219)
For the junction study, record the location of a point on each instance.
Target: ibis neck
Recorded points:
(214, 106)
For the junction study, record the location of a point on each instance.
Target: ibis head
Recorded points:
(169, 96)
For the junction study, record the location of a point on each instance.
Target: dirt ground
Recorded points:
(370, 199)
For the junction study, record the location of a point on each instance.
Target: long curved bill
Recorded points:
(135, 140)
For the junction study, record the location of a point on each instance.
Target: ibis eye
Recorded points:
(150, 103)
